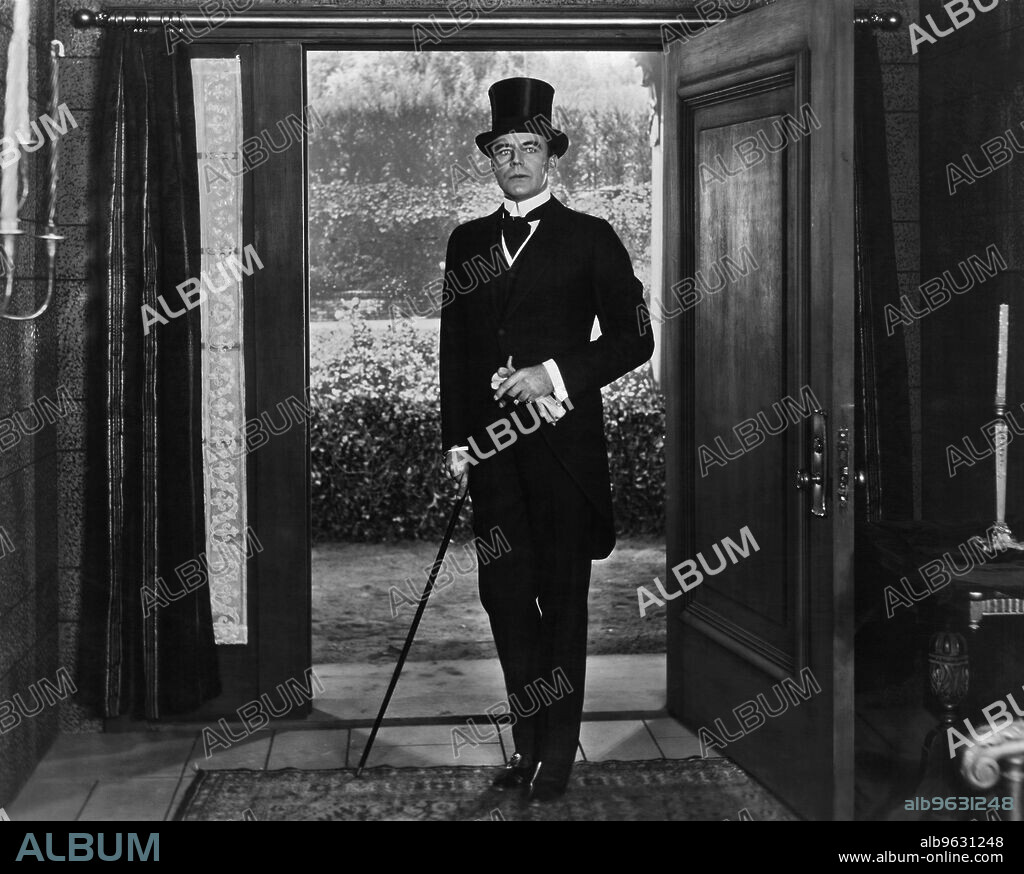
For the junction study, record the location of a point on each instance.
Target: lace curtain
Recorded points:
(217, 89)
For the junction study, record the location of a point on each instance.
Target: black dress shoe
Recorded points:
(545, 789)
(542, 793)
(516, 772)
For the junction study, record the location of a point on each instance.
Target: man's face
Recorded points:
(520, 164)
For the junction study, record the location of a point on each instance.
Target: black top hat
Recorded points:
(524, 106)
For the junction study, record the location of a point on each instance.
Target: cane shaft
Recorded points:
(412, 629)
(1000, 436)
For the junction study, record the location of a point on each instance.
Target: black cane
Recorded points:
(415, 624)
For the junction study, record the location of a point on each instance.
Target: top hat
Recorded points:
(524, 106)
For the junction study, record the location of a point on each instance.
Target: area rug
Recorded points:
(675, 789)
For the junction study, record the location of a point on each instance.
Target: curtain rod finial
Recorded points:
(83, 18)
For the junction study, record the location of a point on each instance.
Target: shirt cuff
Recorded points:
(555, 375)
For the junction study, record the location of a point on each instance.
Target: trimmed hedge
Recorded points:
(386, 241)
(376, 435)
(376, 474)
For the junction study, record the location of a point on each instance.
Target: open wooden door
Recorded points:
(758, 333)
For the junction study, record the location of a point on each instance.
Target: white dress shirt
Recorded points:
(518, 210)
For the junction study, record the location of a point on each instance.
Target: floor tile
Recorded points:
(682, 747)
(326, 748)
(510, 745)
(50, 800)
(625, 683)
(622, 740)
(142, 799)
(459, 740)
(421, 735)
(667, 727)
(116, 756)
(435, 756)
(248, 753)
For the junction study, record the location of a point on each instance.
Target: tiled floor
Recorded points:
(135, 777)
(142, 776)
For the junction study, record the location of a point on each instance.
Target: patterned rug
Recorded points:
(675, 789)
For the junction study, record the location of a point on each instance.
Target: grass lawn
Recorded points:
(353, 617)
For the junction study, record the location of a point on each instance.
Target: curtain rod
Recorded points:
(140, 18)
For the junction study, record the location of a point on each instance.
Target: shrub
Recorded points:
(387, 239)
(376, 433)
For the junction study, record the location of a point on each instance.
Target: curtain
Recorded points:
(217, 83)
(883, 443)
(148, 645)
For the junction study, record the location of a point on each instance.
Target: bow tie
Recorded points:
(515, 230)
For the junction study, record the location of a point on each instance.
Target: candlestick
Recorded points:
(49, 235)
(1000, 536)
(15, 114)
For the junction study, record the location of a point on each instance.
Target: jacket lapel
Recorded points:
(483, 258)
(541, 250)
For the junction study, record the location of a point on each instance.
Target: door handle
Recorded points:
(843, 457)
(814, 478)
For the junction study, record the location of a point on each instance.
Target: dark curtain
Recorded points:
(883, 443)
(145, 476)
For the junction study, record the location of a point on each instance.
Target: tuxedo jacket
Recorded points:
(573, 268)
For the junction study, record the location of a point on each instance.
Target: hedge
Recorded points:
(375, 442)
(386, 241)
(376, 475)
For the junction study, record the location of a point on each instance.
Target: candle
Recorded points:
(15, 113)
(1004, 322)
(56, 51)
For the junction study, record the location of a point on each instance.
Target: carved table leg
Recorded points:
(949, 677)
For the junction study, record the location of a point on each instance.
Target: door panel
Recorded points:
(739, 369)
(758, 147)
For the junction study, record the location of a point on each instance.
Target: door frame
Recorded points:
(281, 616)
(274, 85)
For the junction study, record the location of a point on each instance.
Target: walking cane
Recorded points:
(415, 624)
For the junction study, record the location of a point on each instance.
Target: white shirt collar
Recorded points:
(524, 206)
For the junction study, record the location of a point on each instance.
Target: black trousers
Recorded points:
(535, 593)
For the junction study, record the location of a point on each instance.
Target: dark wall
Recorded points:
(972, 89)
(29, 462)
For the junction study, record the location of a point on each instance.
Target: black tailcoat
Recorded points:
(573, 268)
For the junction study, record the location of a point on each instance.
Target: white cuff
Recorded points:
(556, 380)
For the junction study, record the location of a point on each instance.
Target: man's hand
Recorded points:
(525, 385)
(456, 466)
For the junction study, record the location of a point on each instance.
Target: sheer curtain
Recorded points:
(218, 112)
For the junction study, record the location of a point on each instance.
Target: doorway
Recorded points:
(392, 169)
(800, 51)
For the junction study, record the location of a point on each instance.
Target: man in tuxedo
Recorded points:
(522, 418)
